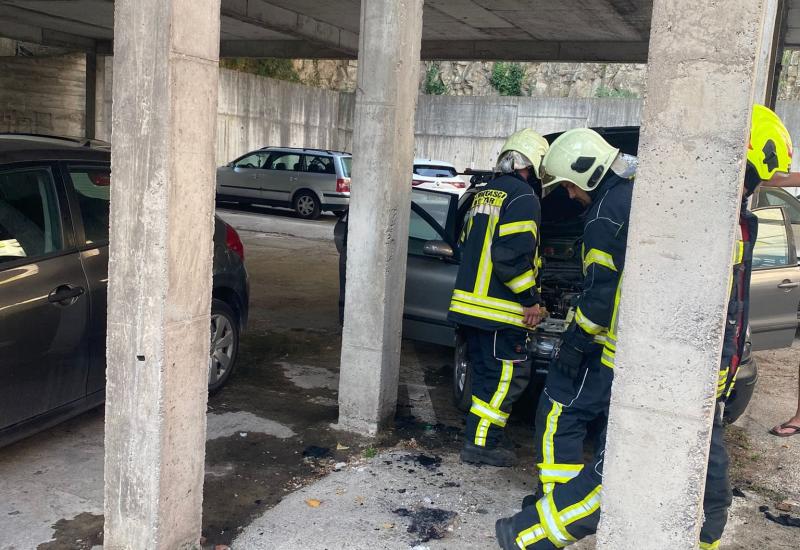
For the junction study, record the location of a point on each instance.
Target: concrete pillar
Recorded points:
(102, 126)
(769, 51)
(8, 47)
(162, 204)
(686, 203)
(90, 107)
(383, 155)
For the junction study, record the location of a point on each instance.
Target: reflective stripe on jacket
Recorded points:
(499, 268)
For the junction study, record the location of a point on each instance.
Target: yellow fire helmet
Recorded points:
(531, 149)
(770, 148)
(580, 156)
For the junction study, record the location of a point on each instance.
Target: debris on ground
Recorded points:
(428, 523)
(313, 502)
(782, 519)
(788, 506)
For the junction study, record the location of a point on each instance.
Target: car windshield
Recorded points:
(435, 171)
(346, 164)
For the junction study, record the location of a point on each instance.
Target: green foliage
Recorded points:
(603, 91)
(507, 78)
(433, 81)
(280, 69)
(370, 452)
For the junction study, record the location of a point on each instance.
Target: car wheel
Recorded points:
(307, 206)
(462, 375)
(224, 344)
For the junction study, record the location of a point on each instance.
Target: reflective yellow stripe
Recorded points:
(485, 410)
(531, 536)
(523, 282)
(492, 409)
(485, 264)
(608, 358)
(733, 383)
(582, 509)
(487, 301)
(551, 522)
(587, 324)
(722, 381)
(738, 254)
(518, 227)
(595, 256)
(709, 545)
(558, 473)
(548, 446)
(488, 314)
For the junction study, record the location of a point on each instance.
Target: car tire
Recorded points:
(462, 375)
(307, 205)
(224, 348)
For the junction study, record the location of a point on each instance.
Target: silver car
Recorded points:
(308, 180)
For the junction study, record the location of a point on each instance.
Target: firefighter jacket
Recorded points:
(605, 237)
(499, 256)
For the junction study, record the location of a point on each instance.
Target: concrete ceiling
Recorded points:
(532, 30)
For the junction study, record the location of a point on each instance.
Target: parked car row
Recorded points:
(54, 214)
(312, 181)
(433, 261)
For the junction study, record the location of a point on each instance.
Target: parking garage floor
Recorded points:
(279, 476)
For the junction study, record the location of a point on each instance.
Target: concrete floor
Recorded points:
(280, 405)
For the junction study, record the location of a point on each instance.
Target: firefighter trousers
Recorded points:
(500, 372)
(718, 495)
(569, 507)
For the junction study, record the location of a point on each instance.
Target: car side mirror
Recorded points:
(438, 249)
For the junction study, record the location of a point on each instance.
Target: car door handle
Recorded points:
(65, 295)
(788, 285)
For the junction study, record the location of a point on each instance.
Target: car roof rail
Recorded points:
(82, 142)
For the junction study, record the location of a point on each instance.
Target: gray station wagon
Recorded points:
(308, 180)
(433, 260)
(54, 214)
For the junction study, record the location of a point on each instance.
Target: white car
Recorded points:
(437, 175)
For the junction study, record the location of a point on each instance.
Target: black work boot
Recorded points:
(493, 456)
(530, 500)
(504, 531)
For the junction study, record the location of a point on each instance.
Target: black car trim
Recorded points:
(277, 191)
(428, 320)
(342, 195)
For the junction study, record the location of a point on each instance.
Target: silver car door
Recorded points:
(279, 177)
(430, 279)
(240, 179)
(775, 284)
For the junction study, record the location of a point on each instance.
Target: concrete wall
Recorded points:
(43, 94)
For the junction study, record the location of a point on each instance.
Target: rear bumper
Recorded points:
(335, 201)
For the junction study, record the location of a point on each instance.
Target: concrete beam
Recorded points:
(293, 23)
(383, 155)
(769, 48)
(285, 49)
(166, 72)
(46, 37)
(90, 107)
(686, 198)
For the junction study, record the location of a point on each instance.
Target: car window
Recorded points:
(284, 162)
(347, 166)
(254, 160)
(437, 205)
(319, 164)
(435, 171)
(778, 197)
(93, 189)
(30, 224)
(772, 246)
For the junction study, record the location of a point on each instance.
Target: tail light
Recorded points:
(414, 183)
(343, 185)
(233, 242)
(458, 184)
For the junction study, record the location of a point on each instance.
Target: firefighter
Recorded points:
(570, 511)
(496, 300)
(578, 386)
(769, 156)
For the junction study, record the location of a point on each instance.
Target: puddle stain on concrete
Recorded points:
(82, 532)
